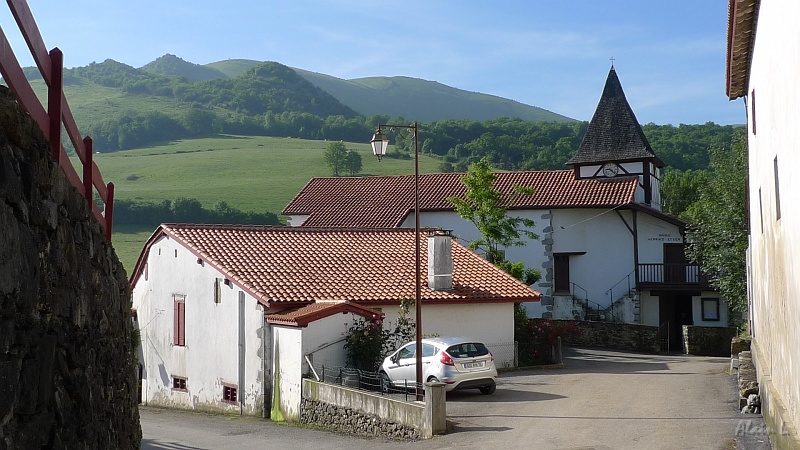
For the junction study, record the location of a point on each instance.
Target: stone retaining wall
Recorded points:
(708, 341)
(621, 336)
(67, 376)
(346, 420)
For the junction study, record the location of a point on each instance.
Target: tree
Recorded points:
(336, 157)
(680, 189)
(717, 236)
(353, 162)
(484, 206)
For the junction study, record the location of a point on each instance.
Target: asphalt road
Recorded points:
(601, 400)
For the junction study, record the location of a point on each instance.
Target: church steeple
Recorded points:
(615, 145)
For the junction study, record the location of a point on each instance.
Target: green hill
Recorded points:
(424, 101)
(232, 68)
(172, 66)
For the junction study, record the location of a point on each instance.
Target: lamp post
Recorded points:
(380, 142)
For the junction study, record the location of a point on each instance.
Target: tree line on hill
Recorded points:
(273, 100)
(186, 210)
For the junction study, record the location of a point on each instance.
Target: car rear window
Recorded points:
(467, 350)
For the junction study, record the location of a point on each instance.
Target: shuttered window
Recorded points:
(179, 321)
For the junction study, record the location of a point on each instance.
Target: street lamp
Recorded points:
(380, 142)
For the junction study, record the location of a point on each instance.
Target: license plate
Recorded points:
(473, 365)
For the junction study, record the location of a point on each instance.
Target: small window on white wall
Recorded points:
(710, 308)
(217, 290)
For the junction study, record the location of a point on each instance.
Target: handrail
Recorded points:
(626, 278)
(572, 291)
(58, 112)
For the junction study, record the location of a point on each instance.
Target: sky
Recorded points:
(669, 55)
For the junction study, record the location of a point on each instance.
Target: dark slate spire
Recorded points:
(614, 134)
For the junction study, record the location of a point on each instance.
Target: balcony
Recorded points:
(682, 276)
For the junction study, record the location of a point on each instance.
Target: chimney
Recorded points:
(440, 260)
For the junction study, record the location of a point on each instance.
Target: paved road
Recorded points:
(601, 400)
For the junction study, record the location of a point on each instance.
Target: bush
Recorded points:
(536, 338)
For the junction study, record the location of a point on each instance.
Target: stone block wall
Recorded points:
(67, 374)
(351, 421)
(621, 336)
(708, 341)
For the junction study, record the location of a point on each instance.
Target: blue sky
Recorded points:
(670, 56)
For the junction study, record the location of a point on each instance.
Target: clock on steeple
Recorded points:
(615, 146)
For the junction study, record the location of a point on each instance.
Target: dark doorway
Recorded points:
(561, 272)
(674, 263)
(674, 311)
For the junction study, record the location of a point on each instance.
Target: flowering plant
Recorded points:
(536, 338)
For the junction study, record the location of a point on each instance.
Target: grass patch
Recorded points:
(250, 173)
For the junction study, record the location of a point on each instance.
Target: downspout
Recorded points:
(635, 249)
(266, 358)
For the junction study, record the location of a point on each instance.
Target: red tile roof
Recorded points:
(386, 201)
(302, 316)
(304, 265)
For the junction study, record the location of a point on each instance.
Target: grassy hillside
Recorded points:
(249, 173)
(422, 100)
(232, 68)
(172, 66)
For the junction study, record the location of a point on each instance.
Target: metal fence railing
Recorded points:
(58, 113)
(364, 380)
(506, 354)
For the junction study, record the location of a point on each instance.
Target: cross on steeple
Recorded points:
(612, 62)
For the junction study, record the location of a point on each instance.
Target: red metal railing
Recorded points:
(51, 66)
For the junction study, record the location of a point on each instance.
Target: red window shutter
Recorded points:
(176, 325)
(182, 322)
(179, 322)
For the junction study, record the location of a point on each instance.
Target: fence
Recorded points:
(51, 67)
(364, 380)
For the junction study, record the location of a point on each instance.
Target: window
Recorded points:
(407, 352)
(179, 384)
(179, 320)
(710, 307)
(753, 109)
(217, 290)
(760, 210)
(229, 393)
(777, 190)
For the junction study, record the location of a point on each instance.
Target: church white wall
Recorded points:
(775, 242)
(608, 247)
(210, 357)
(648, 309)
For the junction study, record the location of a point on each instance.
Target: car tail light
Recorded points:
(446, 359)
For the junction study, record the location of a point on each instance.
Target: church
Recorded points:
(605, 249)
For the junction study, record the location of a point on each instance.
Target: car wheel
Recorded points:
(487, 390)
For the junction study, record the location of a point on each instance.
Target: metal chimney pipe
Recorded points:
(440, 260)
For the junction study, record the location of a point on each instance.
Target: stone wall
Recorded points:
(708, 341)
(347, 420)
(621, 336)
(67, 377)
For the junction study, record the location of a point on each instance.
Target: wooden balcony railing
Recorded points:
(51, 66)
(685, 274)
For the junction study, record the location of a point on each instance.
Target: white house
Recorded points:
(763, 68)
(604, 248)
(224, 311)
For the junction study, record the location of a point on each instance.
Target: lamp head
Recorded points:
(380, 142)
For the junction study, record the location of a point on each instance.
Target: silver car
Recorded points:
(460, 363)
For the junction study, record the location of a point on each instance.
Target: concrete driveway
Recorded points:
(610, 400)
(601, 400)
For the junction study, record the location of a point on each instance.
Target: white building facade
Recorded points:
(763, 69)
